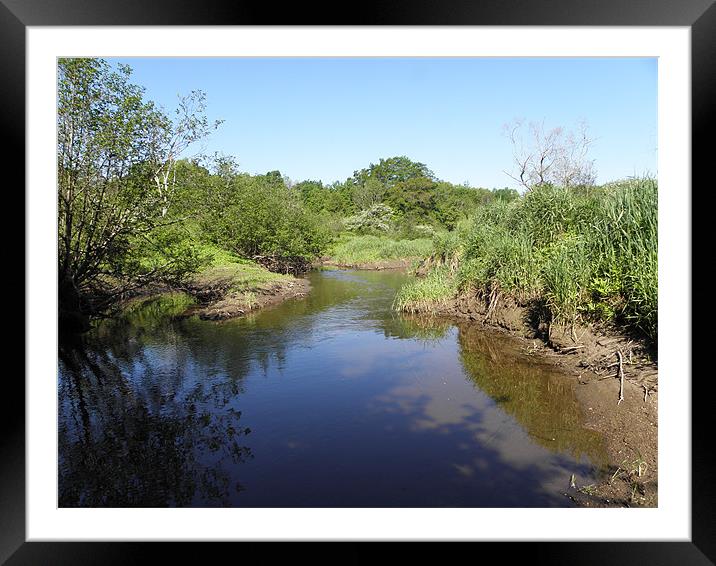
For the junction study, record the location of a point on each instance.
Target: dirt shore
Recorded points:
(370, 265)
(217, 305)
(599, 360)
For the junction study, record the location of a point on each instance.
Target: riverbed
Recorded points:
(329, 400)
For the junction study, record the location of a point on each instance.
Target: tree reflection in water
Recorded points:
(136, 429)
(539, 398)
(149, 400)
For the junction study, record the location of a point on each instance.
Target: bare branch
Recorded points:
(551, 156)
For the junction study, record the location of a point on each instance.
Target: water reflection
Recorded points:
(419, 327)
(541, 400)
(330, 400)
(137, 428)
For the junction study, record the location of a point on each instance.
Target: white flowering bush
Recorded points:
(377, 218)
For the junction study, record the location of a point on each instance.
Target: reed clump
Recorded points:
(586, 253)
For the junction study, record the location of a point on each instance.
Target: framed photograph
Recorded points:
(401, 307)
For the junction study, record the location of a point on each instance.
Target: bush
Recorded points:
(375, 219)
(262, 219)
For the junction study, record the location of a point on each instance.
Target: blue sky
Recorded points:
(323, 118)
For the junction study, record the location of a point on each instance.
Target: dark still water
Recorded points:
(327, 401)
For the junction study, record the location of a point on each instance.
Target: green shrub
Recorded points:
(259, 217)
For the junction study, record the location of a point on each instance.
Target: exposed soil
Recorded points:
(371, 265)
(591, 355)
(220, 303)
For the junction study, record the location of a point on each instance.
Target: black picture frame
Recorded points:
(16, 15)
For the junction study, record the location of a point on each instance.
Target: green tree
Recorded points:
(338, 198)
(392, 170)
(369, 193)
(259, 217)
(506, 194)
(313, 195)
(413, 198)
(191, 178)
(116, 159)
(453, 203)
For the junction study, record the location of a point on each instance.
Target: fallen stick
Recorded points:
(608, 341)
(570, 348)
(621, 378)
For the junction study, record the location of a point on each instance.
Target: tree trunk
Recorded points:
(71, 318)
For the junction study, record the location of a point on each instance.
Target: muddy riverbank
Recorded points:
(231, 304)
(377, 265)
(616, 382)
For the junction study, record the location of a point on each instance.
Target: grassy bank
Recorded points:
(368, 250)
(225, 286)
(230, 286)
(242, 275)
(569, 255)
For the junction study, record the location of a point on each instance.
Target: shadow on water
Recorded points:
(332, 400)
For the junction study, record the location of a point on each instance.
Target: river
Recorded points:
(331, 400)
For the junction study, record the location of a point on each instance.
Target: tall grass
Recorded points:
(427, 294)
(624, 239)
(356, 250)
(583, 254)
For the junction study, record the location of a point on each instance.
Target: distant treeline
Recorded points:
(397, 194)
(270, 219)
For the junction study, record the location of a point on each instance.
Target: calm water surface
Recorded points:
(327, 401)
